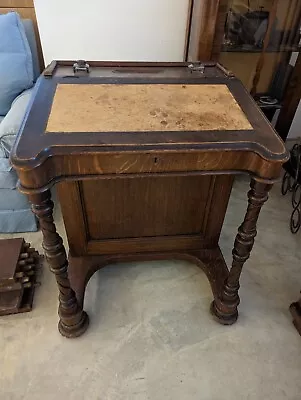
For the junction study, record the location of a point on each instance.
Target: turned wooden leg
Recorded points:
(73, 320)
(225, 307)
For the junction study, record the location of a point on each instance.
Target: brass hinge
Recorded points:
(197, 67)
(81, 65)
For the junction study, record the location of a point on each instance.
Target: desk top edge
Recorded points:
(275, 152)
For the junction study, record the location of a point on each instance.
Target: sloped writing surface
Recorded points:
(144, 107)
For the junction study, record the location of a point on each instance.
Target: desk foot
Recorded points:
(73, 331)
(221, 317)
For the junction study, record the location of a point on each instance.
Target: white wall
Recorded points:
(145, 30)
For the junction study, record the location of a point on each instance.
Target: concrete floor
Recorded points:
(151, 335)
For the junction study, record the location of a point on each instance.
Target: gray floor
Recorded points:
(151, 335)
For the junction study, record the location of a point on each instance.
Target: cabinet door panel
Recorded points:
(152, 213)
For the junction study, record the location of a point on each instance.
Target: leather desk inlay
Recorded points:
(133, 108)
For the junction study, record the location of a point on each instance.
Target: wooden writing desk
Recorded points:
(144, 157)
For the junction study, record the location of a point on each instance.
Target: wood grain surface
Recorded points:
(17, 3)
(141, 207)
(145, 194)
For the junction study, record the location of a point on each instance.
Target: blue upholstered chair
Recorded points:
(15, 213)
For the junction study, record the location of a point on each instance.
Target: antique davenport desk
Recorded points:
(143, 156)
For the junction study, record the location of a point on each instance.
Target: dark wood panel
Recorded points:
(207, 29)
(219, 29)
(189, 210)
(24, 12)
(69, 193)
(153, 206)
(291, 102)
(217, 206)
(147, 244)
(17, 3)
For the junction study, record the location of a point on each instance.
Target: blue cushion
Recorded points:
(10, 125)
(16, 67)
(8, 177)
(29, 31)
(12, 199)
(13, 221)
(15, 212)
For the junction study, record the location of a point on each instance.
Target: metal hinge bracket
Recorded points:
(81, 65)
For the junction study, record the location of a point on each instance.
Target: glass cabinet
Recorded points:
(258, 44)
(258, 40)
